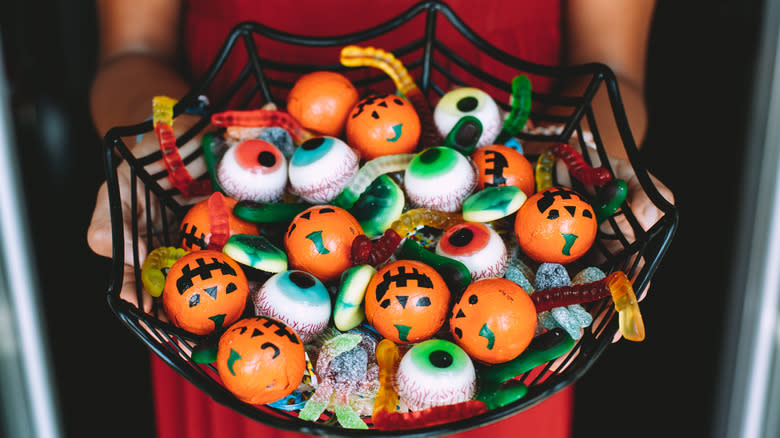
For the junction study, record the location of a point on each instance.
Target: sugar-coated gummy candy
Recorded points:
(550, 275)
(280, 138)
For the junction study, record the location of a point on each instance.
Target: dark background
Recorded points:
(701, 62)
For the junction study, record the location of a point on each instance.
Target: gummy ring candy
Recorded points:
(156, 266)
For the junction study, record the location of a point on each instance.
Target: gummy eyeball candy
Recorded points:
(320, 169)
(383, 125)
(205, 291)
(439, 178)
(407, 301)
(196, 227)
(556, 225)
(494, 320)
(435, 373)
(499, 165)
(319, 241)
(254, 170)
(296, 298)
(477, 246)
(468, 101)
(260, 360)
(321, 101)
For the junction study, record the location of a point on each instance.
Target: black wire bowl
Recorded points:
(436, 65)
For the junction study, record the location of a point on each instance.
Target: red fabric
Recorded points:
(529, 29)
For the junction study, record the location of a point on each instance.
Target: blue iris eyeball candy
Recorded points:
(320, 169)
(440, 178)
(253, 170)
(468, 101)
(296, 298)
(435, 373)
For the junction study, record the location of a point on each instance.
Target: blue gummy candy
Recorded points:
(550, 275)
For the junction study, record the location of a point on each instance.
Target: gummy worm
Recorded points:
(428, 417)
(368, 173)
(387, 357)
(259, 212)
(580, 170)
(615, 284)
(366, 252)
(263, 118)
(155, 267)
(544, 170)
(218, 221)
(162, 118)
(521, 109)
(355, 56)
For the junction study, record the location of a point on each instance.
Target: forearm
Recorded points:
(124, 86)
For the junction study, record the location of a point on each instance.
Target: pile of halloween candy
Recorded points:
(375, 258)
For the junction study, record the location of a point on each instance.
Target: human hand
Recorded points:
(99, 234)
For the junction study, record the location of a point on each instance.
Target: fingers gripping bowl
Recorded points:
(154, 212)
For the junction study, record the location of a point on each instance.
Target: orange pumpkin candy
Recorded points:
(407, 301)
(205, 291)
(383, 125)
(556, 225)
(500, 165)
(321, 101)
(260, 360)
(494, 320)
(319, 241)
(195, 228)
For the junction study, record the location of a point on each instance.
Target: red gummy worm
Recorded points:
(433, 416)
(567, 295)
(262, 118)
(218, 221)
(429, 135)
(177, 172)
(582, 171)
(366, 252)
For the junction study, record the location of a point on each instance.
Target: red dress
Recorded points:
(529, 29)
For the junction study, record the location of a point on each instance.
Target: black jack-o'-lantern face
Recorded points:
(383, 125)
(205, 291)
(319, 241)
(407, 301)
(556, 225)
(266, 344)
(195, 229)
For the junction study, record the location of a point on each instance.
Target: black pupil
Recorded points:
(314, 143)
(440, 359)
(467, 104)
(302, 280)
(430, 155)
(462, 237)
(266, 159)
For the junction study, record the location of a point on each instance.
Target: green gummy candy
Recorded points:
(348, 311)
(378, 206)
(464, 136)
(256, 251)
(495, 395)
(260, 212)
(455, 274)
(207, 144)
(342, 343)
(348, 418)
(609, 199)
(493, 203)
(312, 410)
(536, 354)
(205, 351)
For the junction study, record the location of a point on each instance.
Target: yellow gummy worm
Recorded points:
(387, 356)
(152, 275)
(411, 219)
(162, 110)
(630, 319)
(544, 170)
(355, 56)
